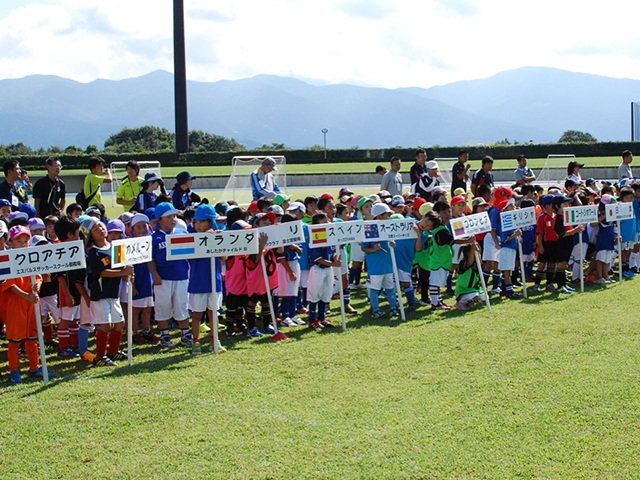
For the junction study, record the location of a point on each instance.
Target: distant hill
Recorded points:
(529, 103)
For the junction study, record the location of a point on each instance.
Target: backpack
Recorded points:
(83, 201)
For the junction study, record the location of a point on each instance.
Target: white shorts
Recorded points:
(507, 259)
(438, 278)
(201, 302)
(604, 256)
(531, 257)
(123, 292)
(286, 287)
(50, 304)
(320, 286)
(404, 277)
(344, 268)
(575, 253)
(145, 302)
(357, 255)
(85, 313)
(627, 245)
(304, 278)
(490, 253)
(71, 313)
(171, 300)
(106, 311)
(379, 282)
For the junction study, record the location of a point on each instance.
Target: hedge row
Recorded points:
(499, 152)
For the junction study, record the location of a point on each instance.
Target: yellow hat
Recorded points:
(426, 208)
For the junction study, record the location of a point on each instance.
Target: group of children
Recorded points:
(301, 278)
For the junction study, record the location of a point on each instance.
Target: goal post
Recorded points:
(238, 186)
(445, 165)
(119, 173)
(555, 169)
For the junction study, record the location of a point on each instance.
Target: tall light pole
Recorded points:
(180, 78)
(325, 131)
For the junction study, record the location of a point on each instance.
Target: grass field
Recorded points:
(540, 388)
(369, 167)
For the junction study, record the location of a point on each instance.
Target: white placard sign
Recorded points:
(222, 244)
(580, 215)
(380, 230)
(131, 251)
(619, 211)
(470, 225)
(518, 218)
(339, 233)
(24, 262)
(283, 234)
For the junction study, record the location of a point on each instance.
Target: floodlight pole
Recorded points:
(325, 131)
(180, 78)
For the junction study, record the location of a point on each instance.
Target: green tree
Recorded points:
(575, 136)
(72, 150)
(274, 147)
(141, 139)
(18, 149)
(200, 141)
(2, 151)
(91, 149)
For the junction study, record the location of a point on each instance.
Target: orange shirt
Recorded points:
(20, 316)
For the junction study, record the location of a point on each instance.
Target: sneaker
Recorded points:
(88, 356)
(150, 337)
(609, 280)
(601, 281)
(628, 274)
(496, 291)
(269, 330)
(139, 339)
(302, 311)
(38, 373)
(571, 289)
(197, 349)
(67, 353)
(186, 341)
(298, 320)
(565, 291)
(53, 343)
(15, 377)
(326, 323)
(537, 288)
(221, 349)
(411, 309)
(590, 278)
(551, 287)
(513, 296)
(166, 342)
(379, 314)
(441, 306)
(103, 361)
(287, 322)
(350, 309)
(423, 304)
(316, 325)
(255, 333)
(119, 355)
(361, 286)
(462, 306)
(394, 313)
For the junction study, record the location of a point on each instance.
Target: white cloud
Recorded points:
(375, 42)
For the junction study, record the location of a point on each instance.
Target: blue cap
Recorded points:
(29, 209)
(546, 200)
(240, 225)
(205, 212)
(184, 177)
(164, 209)
(150, 213)
(4, 202)
(221, 208)
(151, 177)
(115, 226)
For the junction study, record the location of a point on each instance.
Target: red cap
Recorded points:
(418, 202)
(503, 193)
(327, 195)
(457, 199)
(261, 215)
(254, 206)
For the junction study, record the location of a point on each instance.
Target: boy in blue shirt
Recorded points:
(508, 249)
(605, 243)
(628, 234)
(405, 251)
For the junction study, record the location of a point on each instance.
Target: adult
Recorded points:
(11, 170)
(624, 169)
(523, 174)
(93, 182)
(418, 169)
(181, 191)
(573, 171)
(483, 176)
(130, 186)
(429, 181)
(49, 192)
(262, 182)
(392, 180)
(460, 172)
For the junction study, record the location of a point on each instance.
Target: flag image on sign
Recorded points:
(118, 252)
(182, 245)
(5, 266)
(371, 231)
(319, 236)
(458, 227)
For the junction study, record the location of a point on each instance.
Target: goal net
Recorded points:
(555, 169)
(238, 187)
(119, 173)
(445, 165)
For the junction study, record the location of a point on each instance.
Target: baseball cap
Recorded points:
(362, 201)
(384, 194)
(150, 213)
(165, 209)
(297, 206)
(425, 208)
(4, 202)
(459, 191)
(126, 217)
(355, 200)
(29, 209)
(276, 210)
(458, 199)
(396, 216)
(14, 215)
(240, 225)
(546, 200)
(3, 228)
(261, 215)
(380, 209)
(36, 240)
(606, 199)
(254, 206)
(590, 181)
(139, 218)
(205, 212)
(431, 164)
(17, 230)
(344, 191)
(503, 193)
(270, 162)
(93, 212)
(221, 208)
(88, 224)
(327, 195)
(397, 201)
(478, 201)
(115, 226)
(560, 199)
(418, 202)
(36, 223)
(280, 198)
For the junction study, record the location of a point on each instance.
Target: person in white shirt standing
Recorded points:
(392, 180)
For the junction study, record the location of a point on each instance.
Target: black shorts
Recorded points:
(550, 254)
(234, 302)
(564, 248)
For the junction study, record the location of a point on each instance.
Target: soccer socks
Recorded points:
(551, 273)
(251, 316)
(487, 277)
(14, 355)
(410, 294)
(186, 333)
(496, 280)
(322, 310)
(73, 334)
(47, 328)
(31, 347)
(347, 296)
(450, 281)
(561, 279)
(373, 298)
(434, 293)
(63, 338)
(115, 338)
(102, 338)
(83, 339)
(312, 312)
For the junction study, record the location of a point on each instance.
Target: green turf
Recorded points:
(540, 388)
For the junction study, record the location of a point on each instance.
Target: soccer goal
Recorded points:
(445, 165)
(238, 187)
(555, 169)
(119, 173)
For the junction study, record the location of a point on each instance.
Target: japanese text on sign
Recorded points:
(619, 211)
(220, 244)
(580, 215)
(22, 262)
(340, 233)
(520, 218)
(380, 230)
(131, 251)
(283, 234)
(470, 225)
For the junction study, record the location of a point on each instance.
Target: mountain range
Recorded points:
(529, 103)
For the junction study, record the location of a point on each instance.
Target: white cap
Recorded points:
(380, 209)
(431, 164)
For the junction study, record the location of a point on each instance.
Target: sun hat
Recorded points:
(165, 209)
(205, 212)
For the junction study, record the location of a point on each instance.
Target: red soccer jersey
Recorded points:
(546, 226)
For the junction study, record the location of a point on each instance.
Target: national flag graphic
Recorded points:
(182, 245)
(5, 268)
(508, 222)
(458, 227)
(371, 231)
(118, 254)
(319, 236)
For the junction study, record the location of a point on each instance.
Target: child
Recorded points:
(357, 255)
(181, 192)
(104, 286)
(148, 197)
(37, 226)
(235, 281)
(170, 279)
(320, 284)
(508, 250)
(529, 243)
(49, 224)
(565, 242)
(202, 281)
(142, 288)
(441, 257)
(115, 231)
(298, 210)
(468, 283)
(546, 240)
(380, 268)
(605, 243)
(627, 233)
(20, 298)
(92, 182)
(405, 252)
(49, 311)
(74, 210)
(289, 279)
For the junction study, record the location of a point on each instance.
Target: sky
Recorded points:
(379, 43)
